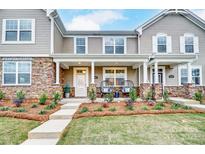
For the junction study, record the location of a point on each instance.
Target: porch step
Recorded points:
(183, 101)
(63, 114)
(70, 106)
(73, 100)
(51, 129)
(40, 142)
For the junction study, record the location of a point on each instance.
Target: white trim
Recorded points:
(86, 45)
(24, 55)
(115, 37)
(74, 75)
(16, 73)
(185, 67)
(93, 72)
(155, 43)
(52, 36)
(163, 71)
(18, 30)
(115, 68)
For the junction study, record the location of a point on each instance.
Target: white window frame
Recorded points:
(115, 37)
(162, 35)
(18, 32)
(192, 67)
(188, 44)
(115, 68)
(16, 73)
(75, 45)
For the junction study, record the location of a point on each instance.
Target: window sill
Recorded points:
(16, 43)
(16, 85)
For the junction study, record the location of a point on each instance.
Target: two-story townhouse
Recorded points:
(39, 55)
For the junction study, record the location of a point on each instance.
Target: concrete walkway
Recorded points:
(50, 132)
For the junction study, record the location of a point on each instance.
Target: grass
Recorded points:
(15, 131)
(141, 129)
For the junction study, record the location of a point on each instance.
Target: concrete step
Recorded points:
(73, 100)
(63, 114)
(70, 106)
(40, 142)
(51, 129)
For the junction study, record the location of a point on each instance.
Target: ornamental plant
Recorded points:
(56, 96)
(43, 98)
(2, 95)
(20, 95)
(133, 95)
(198, 96)
(109, 97)
(165, 96)
(92, 95)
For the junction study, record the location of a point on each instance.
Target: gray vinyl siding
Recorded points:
(95, 45)
(58, 40)
(132, 47)
(42, 32)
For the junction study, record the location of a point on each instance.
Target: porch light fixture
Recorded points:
(79, 63)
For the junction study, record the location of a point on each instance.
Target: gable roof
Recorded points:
(184, 12)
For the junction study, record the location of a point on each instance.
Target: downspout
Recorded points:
(49, 12)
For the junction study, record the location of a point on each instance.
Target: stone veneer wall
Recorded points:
(43, 79)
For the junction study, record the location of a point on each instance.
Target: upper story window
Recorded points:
(189, 43)
(18, 31)
(114, 45)
(16, 73)
(161, 43)
(80, 45)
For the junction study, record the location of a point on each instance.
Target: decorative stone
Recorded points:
(158, 91)
(144, 89)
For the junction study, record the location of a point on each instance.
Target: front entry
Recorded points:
(80, 81)
(161, 75)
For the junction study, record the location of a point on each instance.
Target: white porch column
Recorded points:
(57, 72)
(156, 77)
(189, 71)
(145, 72)
(93, 72)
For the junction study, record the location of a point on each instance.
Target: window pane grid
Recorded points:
(195, 76)
(114, 46)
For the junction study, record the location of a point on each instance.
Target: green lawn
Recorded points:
(142, 129)
(15, 131)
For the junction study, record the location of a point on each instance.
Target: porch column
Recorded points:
(145, 72)
(93, 72)
(156, 78)
(189, 72)
(57, 72)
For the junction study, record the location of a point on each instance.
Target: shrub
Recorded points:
(50, 106)
(99, 109)
(20, 95)
(42, 112)
(131, 108)
(198, 96)
(56, 96)
(144, 108)
(186, 108)
(92, 95)
(2, 95)
(4, 108)
(109, 97)
(34, 105)
(158, 107)
(133, 95)
(165, 96)
(105, 105)
(113, 109)
(175, 106)
(20, 109)
(149, 95)
(129, 103)
(42, 99)
(84, 109)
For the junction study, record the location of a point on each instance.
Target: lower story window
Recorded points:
(16, 72)
(196, 75)
(116, 76)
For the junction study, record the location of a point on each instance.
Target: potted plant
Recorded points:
(2, 96)
(66, 90)
(20, 96)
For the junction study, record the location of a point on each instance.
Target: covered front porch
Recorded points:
(80, 72)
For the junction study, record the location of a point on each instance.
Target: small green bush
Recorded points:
(20, 109)
(2, 95)
(92, 95)
(186, 108)
(84, 109)
(112, 109)
(4, 108)
(42, 99)
(50, 106)
(34, 105)
(109, 97)
(133, 95)
(175, 106)
(149, 95)
(56, 96)
(20, 95)
(165, 96)
(158, 107)
(42, 112)
(144, 108)
(99, 109)
(131, 108)
(198, 96)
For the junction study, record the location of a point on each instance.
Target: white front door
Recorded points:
(80, 82)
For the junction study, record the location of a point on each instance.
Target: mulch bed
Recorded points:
(121, 110)
(30, 114)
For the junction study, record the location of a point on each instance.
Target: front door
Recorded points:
(160, 76)
(80, 82)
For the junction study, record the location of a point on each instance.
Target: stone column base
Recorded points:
(144, 89)
(157, 91)
(190, 89)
